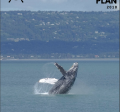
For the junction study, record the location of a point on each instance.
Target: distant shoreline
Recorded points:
(84, 59)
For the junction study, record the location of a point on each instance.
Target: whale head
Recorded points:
(74, 66)
(73, 70)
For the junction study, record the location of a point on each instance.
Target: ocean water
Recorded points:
(96, 88)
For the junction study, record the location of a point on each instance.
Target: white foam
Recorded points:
(43, 85)
(46, 93)
(48, 80)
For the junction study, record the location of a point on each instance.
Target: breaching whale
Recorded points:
(64, 84)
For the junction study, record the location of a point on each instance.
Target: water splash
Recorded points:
(43, 85)
(49, 70)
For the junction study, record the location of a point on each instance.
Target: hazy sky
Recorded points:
(56, 5)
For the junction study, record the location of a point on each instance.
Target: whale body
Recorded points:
(64, 84)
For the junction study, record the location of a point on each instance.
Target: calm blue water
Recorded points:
(96, 88)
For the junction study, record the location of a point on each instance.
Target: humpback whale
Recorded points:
(64, 84)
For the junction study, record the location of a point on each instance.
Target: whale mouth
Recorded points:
(75, 65)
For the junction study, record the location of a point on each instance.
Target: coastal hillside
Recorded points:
(66, 26)
(52, 34)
